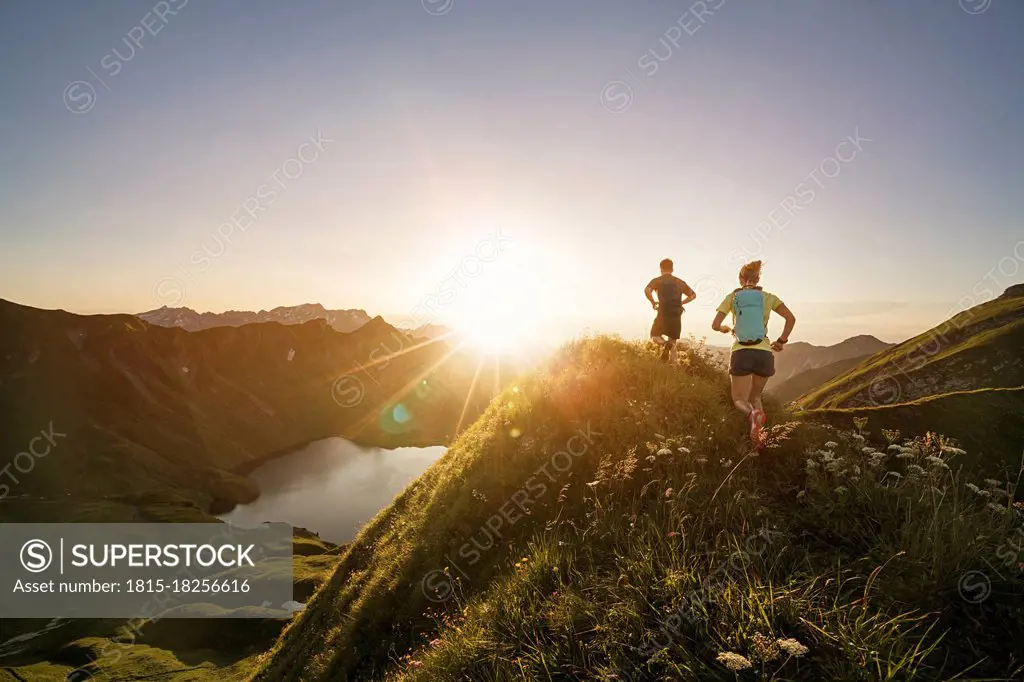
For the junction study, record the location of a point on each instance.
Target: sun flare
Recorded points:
(502, 309)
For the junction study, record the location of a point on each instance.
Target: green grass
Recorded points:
(642, 560)
(987, 422)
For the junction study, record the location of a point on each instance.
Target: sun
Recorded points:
(501, 310)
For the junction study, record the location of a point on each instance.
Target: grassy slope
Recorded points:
(595, 578)
(987, 421)
(977, 348)
(807, 381)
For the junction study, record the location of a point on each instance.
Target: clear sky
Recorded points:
(599, 136)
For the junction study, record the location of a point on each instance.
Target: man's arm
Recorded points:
(790, 319)
(647, 292)
(690, 295)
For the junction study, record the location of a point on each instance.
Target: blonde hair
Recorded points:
(751, 272)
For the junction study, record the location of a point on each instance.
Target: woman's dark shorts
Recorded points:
(747, 361)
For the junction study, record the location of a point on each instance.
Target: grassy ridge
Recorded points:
(977, 348)
(660, 549)
(809, 380)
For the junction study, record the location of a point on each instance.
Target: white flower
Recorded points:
(914, 469)
(905, 455)
(996, 507)
(792, 647)
(949, 450)
(733, 661)
(841, 489)
(868, 450)
(801, 494)
(973, 488)
(894, 448)
(936, 462)
(857, 436)
(908, 451)
(684, 451)
(831, 444)
(664, 451)
(993, 483)
(811, 464)
(985, 493)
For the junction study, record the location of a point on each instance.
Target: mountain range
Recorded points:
(168, 420)
(341, 320)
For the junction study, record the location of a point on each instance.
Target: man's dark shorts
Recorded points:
(667, 325)
(747, 361)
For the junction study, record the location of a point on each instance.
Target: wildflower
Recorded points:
(831, 444)
(651, 458)
(733, 661)
(973, 488)
(949, 450)
(801, 494)
(905, 455)
(726, 463)
(936, 461)
(766, 649)
(992, 483)
(668, 492)
(996, 507)
(914, 469)
(985, 493)
(856, 470)
(894, 448)
(811, 464)
(868, 450)
(664, 451)
(841, 489)
(792, 647)
(684, 451)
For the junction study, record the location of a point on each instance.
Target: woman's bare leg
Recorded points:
(756, 389)
(741, 388)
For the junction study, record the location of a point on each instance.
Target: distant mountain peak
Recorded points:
(341, 320)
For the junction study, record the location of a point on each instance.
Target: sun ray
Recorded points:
(373, 413)
(469, 395)
(362, 368)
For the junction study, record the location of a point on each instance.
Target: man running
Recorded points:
(668, 324)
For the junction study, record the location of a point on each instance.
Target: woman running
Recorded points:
(752, 362)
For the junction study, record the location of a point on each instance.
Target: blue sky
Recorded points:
(448, 118)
